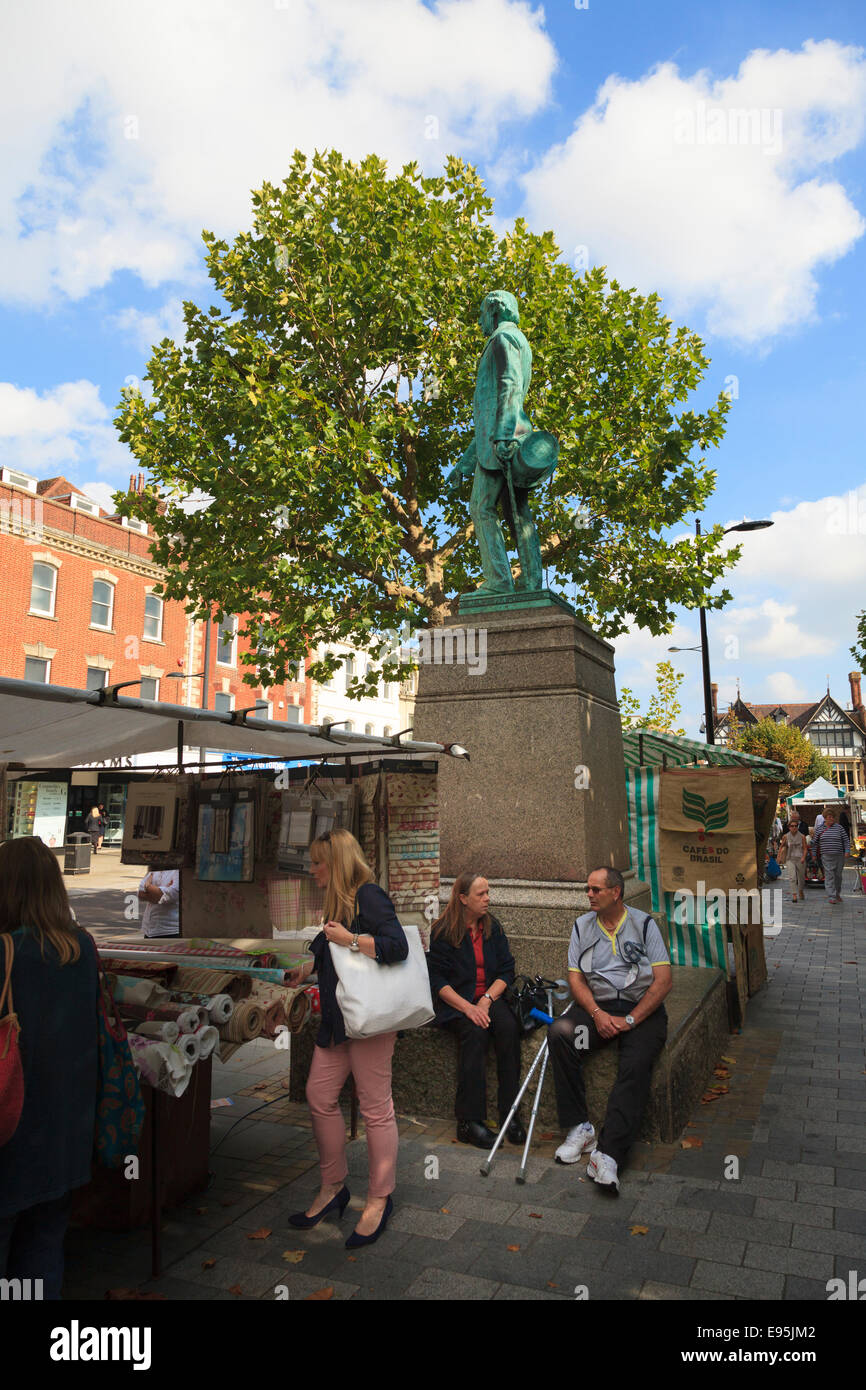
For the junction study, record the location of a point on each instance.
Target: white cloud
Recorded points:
(137, 126)
(666, 183)
(59, 431)
(145, 329)
(101, 493)
(782, 686)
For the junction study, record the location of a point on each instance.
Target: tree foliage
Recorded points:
(321, 403)
(858, 651)
(664, 707)
(783, 743)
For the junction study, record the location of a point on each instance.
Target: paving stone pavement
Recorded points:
(768, 1201)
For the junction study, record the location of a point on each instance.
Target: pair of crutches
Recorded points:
(558, 989)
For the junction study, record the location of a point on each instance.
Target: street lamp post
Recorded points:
(704, 648)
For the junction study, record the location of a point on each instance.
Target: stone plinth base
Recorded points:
(425, 1064)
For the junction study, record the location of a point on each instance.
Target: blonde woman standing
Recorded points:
(359, 917)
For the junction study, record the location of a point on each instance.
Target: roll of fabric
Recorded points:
(129, 989)
(245, 1023)
(190, 1046)
(299, 1011)
(168, 1011)
(162, 972)
(162, 1066)
(212, 982)
(219, 1007)
(188, 947)
(238, 965)
(189, 1020)
(208, 1039)
(166, 1031)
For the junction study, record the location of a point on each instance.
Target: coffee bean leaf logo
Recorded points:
(712, 817)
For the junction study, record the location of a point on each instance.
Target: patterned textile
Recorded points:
(119, 1106)
(294, 903)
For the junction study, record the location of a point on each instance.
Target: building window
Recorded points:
(149, 688)
(153, 618)
(293, 714)
(43, 590)
(102, 606)
(350, 669)
(349, 726)
(295, 672)
(36, 669)
(263, 709)
(226, 641)
(97, 679)
(386, 732)
(222, 702)
(368, 729)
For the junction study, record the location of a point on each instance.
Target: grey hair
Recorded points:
(614, 878)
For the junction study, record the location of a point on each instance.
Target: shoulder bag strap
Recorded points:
(9, 951)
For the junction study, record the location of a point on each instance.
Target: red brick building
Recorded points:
(80, 609)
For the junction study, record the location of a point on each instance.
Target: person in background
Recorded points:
(103, 816)
(160, 891)
(845, 821)
(471, 967)
(54, 988)
(792, 850)
(95, 827)
(360, 917)
(833, 844)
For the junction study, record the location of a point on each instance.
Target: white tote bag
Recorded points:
(376, 998)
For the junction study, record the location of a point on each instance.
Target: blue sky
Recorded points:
(133, 127)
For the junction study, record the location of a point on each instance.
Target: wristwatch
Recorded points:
(489, 997)
(354, 946)
(629, 1020)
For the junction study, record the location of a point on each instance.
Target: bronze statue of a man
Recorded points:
(507, 456)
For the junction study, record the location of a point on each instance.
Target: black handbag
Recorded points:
(524, 996)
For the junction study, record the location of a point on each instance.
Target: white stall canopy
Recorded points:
(818, 792)
(46, 726)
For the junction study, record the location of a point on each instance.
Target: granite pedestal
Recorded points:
(542, 801)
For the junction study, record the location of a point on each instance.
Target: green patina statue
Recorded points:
(507, 456)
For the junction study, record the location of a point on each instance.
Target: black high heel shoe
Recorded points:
(304, 1222)
(355, 1240)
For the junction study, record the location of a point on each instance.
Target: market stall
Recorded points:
(699, 819)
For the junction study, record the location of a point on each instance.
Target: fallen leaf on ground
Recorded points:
(285, 1085)
(261, 1234)
(123, 1295)
(445, 1210)
(200, 1211)
(235, 1288)
(261, 1085)
(546, 1136)
(320, 1294)
(551, 1285)
(691, 1143)
(228, 1201)
(732, 1061)
(208, 1264)
(352, 1258)
(293, 1257)
(721, 1071)
(639, 1230)
(720, 1090)
(708, 1096)
(513, 1248)
(536, 1215)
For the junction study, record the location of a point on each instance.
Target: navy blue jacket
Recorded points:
(52, 1148)
(455, 966)
(375, 917)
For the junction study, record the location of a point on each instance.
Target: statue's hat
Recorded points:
(535, 460)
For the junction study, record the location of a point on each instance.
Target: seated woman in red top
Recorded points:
(471, 967)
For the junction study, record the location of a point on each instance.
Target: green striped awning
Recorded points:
(645, 748)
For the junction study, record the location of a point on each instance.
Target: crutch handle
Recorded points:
(542, 1017)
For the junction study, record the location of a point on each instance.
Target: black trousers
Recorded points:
(473, 1042)
(638, 1049)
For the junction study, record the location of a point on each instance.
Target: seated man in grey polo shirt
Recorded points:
(619, 973)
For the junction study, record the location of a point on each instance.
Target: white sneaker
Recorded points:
(602, 1169)
(577, 1141)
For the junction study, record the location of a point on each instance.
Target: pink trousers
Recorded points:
(369, 1061)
